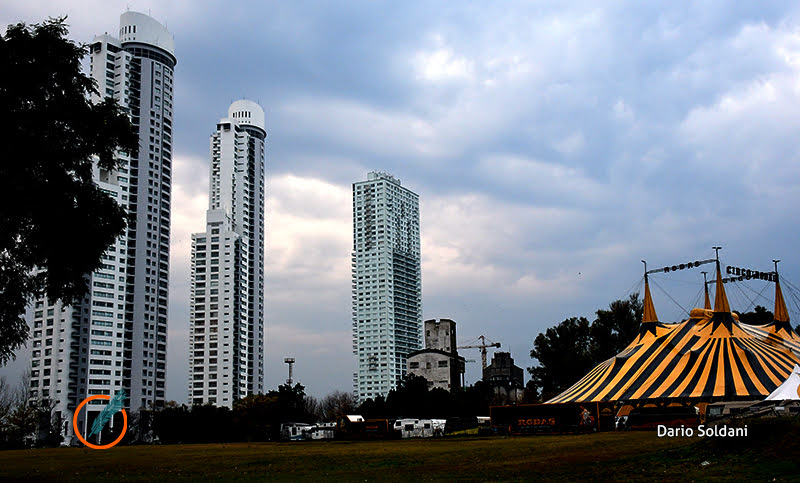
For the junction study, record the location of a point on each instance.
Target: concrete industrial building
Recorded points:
(439, 361)
(116, 338)
(505, 378)
(226, 335)
(386, 283)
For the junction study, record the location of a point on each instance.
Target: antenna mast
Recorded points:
(290, 362)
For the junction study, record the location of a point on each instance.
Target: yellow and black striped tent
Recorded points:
(778, 332)
(710, 356)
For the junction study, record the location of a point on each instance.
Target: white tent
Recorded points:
(790, 389)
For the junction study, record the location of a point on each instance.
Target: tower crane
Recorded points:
(482, 346)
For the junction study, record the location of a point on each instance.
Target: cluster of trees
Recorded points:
(568, 351)
(255, 418)
(413, 399)
(759, 316)
(24, 423)
(259, 417)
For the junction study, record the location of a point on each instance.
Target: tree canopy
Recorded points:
(569, 350)
(564, 355)
(55, 222)
(759, 316)
(613, 329)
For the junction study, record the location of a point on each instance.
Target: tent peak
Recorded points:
(721, 299)
(707, 304)
(648, 310)
(780, 313)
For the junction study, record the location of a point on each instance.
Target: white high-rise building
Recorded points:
(226, 336)
(116, 338)
(387, 283)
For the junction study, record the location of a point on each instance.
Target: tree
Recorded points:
(408, 398)
(373, 408)
(255, 417)
(564, 355)
(413, 398)
(291, 405)
(20, 420)
(531, 394)
(55, 222)
(337, 404)
(615, 328)
(759, 316)
(569, 350)
(475, 400)
(8, 403)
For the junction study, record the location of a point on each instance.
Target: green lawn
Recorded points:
(765, 454)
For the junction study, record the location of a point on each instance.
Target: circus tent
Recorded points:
(710, 356)
(778, 332)
(790, 389)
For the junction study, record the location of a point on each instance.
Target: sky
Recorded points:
(553, 145)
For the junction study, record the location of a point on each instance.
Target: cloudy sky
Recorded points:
(554, 145)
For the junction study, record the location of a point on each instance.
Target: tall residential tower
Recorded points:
(226, 336)
(116, 338)
(387, 283)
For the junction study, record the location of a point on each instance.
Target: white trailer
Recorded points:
(294, 431)
(419, 428)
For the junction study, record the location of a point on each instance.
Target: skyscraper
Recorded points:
(387, 283)
(116, 338)
(226, 336)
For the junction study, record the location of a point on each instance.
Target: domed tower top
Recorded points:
(248, 113)
(137, 27)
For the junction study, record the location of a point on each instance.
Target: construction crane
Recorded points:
(482, 346)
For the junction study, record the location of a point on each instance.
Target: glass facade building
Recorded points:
(386, 283)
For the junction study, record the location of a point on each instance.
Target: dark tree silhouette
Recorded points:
(615, 328)
(55, 223)
(569, 350)
(335, 405)
(564, 355)
(759, 316)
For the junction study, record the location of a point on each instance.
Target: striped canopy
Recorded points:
(710, 356)
(778, 332)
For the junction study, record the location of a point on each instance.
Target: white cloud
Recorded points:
(552, 181)
(441, 65)
(359, 128)
(570, 145)
(472, 242)
(622, 111)
(745, 131)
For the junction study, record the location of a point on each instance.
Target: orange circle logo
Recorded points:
(80, 436)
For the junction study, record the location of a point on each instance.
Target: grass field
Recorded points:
(766, 454)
